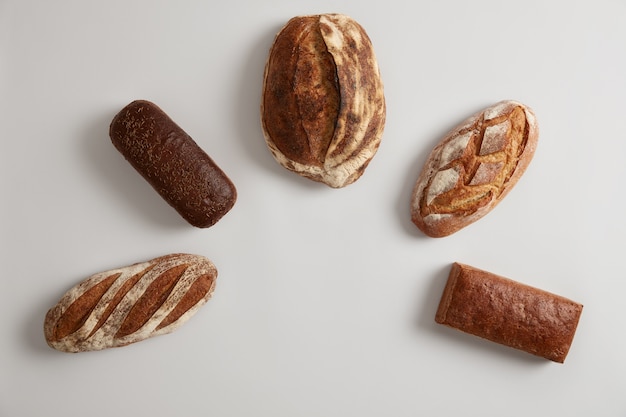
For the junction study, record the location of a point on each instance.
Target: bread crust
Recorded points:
(173, 163)
(508, 312)
(129, 304)
(473, 168)
(323, 106)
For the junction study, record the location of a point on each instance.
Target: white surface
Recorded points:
(326, 298)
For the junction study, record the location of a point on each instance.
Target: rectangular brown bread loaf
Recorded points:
(508, 312)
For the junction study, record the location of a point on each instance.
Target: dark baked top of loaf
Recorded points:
(173, 163)
(302, 95)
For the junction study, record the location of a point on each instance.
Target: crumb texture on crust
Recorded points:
(323, 106)
(172, 163)
(130, 304)
(473, 168)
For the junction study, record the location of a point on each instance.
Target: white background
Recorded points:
(326, 298)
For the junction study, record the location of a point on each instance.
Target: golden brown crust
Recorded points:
(130, 304)
(176, 167)
(323, 107)
(508, 312)
(473, 168)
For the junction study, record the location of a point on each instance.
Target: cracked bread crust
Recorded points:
(473, 168)
(323, 107)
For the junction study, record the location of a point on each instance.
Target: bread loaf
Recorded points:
(508, 312)
(130, 304)
(323, 107)
(473, 168)
(176, 167)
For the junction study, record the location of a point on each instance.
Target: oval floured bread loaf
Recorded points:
(323, 107)
(130, 304)
(473, 168)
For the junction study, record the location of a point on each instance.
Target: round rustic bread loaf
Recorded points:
(323, 107)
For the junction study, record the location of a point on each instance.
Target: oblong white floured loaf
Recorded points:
(126, 305)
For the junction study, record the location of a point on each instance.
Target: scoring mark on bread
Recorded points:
(473, 168)
(490, 154)
(323, 106)
(130, 304)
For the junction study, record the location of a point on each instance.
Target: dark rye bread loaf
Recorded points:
(473, 168)
(126, 305)
(176, 167)
(508, 312)
(323, 107)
